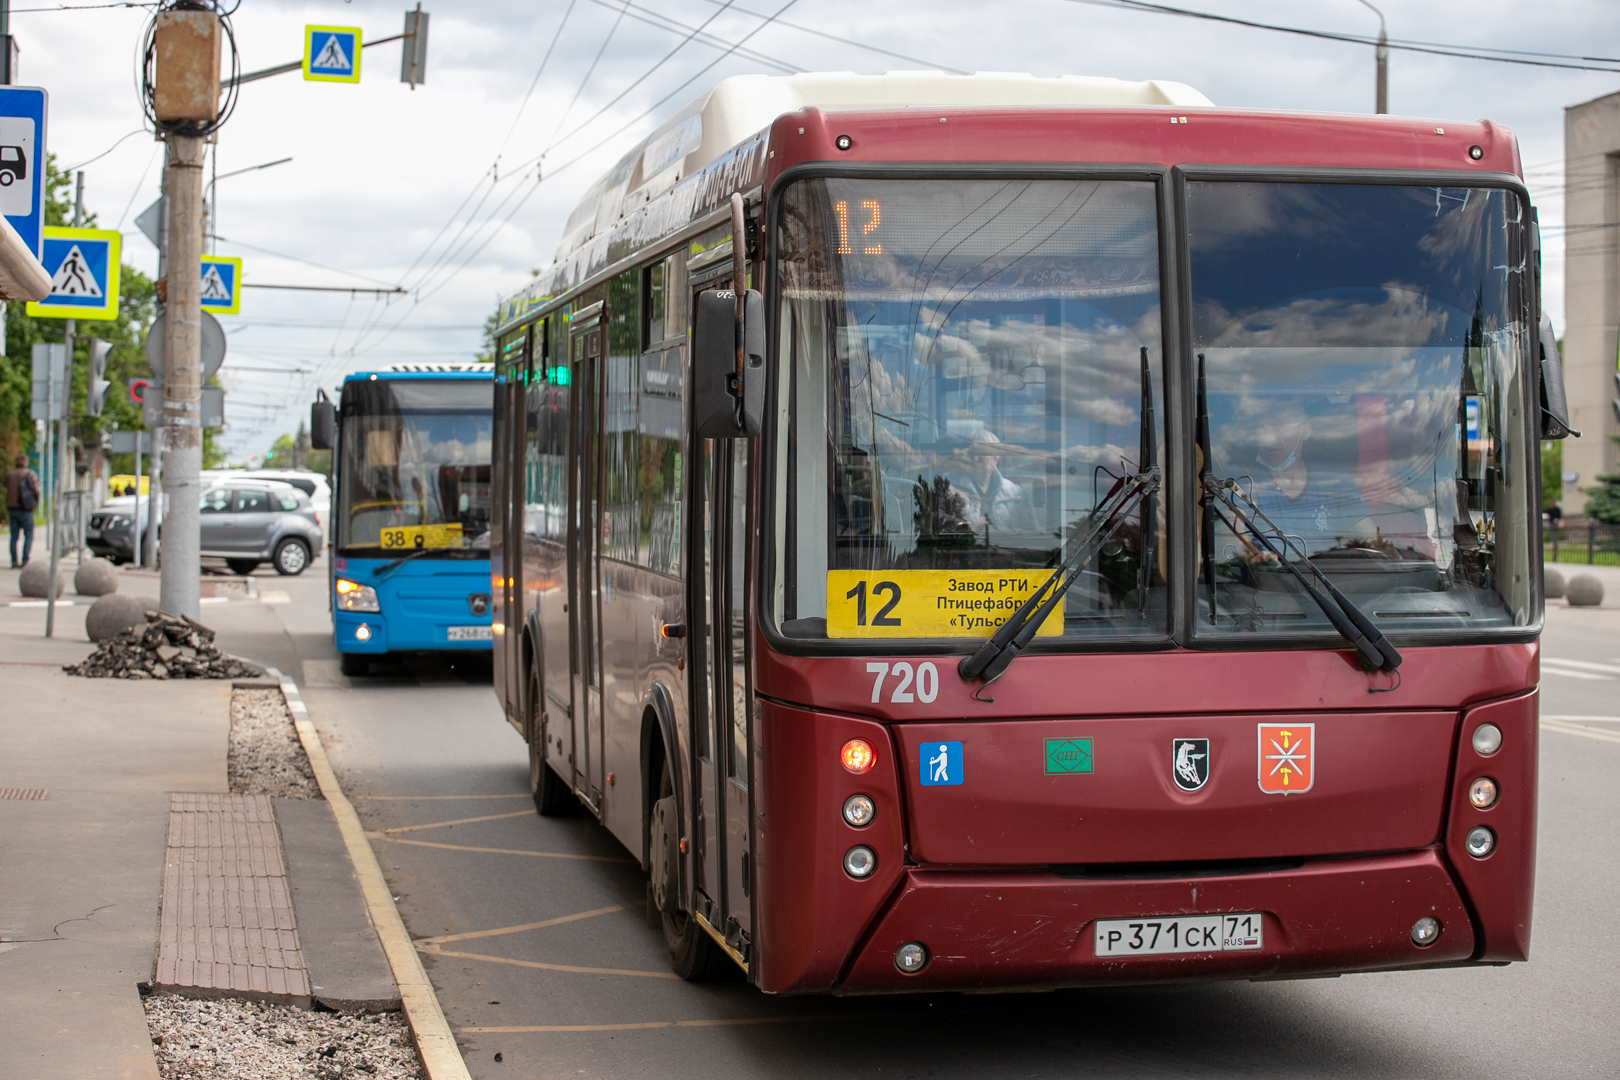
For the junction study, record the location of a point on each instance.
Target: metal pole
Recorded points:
(154, 502)
(68, 329)
(1381, 93)
(135, 522)
(182, 377)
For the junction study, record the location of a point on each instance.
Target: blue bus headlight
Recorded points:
(353, 596)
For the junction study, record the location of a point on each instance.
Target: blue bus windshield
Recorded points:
(414, 467)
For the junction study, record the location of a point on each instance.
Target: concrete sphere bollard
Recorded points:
(1553, 583)
(1584, 590)
(95, 577)
(35, 578)
(115, 612)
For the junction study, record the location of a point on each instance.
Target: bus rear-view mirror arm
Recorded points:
(1554, 402)
(715, 390)
(322, 422)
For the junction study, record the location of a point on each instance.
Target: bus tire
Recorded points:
(354, 665)
(693, 954)
(552, 795)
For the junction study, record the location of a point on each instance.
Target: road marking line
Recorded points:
(1576, 729)
(736, 1022)
(433, 951)
(1572, 718)
(459, 821)
(435, 1043)
(1584, 665)
(517, 929)
(425, 798)
(498, 850)
(1549, 669)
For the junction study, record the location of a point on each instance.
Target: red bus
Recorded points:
(1099, 546)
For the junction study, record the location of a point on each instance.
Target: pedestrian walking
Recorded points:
(22, 497)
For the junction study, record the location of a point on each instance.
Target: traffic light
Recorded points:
(95, 387)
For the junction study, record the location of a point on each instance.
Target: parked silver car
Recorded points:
(246, 522)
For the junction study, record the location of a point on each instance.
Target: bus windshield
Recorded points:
(414, 461)
(1363, 354)
(965, 368)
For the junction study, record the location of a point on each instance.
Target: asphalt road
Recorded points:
(534, 934)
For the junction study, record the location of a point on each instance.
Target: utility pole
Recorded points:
(1381, 93)
(185, 105)
(68, 329)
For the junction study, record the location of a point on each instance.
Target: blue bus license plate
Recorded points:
(1187, 934)
(469, 633)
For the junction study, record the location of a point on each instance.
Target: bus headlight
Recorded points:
(353, 596)
(859, 811)
(1480, 842)
(1487, 739)
(860, 861)
(911, 957)
(1482, 793)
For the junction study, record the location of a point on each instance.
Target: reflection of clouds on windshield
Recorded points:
(1401, 317)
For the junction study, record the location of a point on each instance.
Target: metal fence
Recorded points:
(1594, 543)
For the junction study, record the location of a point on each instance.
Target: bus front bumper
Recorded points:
(987, 930)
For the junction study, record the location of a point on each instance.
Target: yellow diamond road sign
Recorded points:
(332, 53)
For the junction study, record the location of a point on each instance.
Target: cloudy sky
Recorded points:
(435, 190)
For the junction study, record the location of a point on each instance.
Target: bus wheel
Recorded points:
(692, 952)
(552, 796)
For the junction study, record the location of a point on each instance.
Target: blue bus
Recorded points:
(410, 510)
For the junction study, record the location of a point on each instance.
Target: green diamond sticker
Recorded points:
(1068, 756)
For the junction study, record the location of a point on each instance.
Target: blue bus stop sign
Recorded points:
(22, 162)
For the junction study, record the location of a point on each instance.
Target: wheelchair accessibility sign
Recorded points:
(332, 53)
(83, 264)
(221, 285)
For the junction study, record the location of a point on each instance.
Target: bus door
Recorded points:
(584, 558)
(720, 687)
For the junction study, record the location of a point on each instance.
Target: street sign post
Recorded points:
(22, 162)
(49, 383)
(221, 285)
(332, 53)
(83, 264)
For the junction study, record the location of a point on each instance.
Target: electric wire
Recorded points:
(853, 43)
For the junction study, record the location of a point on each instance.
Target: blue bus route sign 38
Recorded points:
(83, 264)
(22, 162)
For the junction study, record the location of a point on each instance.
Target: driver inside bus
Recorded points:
(989, 499)
(1306, 495)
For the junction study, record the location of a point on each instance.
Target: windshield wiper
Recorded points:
(1011, 637)
(386, 569)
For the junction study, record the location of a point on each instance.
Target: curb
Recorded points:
(435, 1042)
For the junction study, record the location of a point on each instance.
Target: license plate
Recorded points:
(470, 633)
(1185, 934)
(93, 534)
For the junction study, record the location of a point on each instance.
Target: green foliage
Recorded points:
(293, 452)
(486, 346)
(1604, 501)
(1552, 472)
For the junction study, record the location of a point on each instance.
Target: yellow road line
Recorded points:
(431, 950)
(434, 1041)
(1577, 729)
(517, 929)
(459, 821)
(497, 850)
(430, 798)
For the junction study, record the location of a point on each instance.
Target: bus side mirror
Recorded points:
(322, 423)
(1554, 403)
(715, 395)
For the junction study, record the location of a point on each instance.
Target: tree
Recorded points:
(1604, 503)
(293, 452)
(1552, 472)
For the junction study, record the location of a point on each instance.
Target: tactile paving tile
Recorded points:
(226, 927)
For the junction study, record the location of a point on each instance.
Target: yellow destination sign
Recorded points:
(409, 537)
(930, 603)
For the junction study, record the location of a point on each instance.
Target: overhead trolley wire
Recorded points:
(675, 26)
(851, 42)
(1466, 52)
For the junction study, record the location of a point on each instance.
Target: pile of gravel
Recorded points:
(265, 756)
(167, 647)
(226, 1039)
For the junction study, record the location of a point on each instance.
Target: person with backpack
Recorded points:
(22, 497)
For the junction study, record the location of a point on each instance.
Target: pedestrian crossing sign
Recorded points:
(83, 264)
(221, 285)
(332, 53)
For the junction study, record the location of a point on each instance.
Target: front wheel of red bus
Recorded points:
(692, 952)
(552, 797)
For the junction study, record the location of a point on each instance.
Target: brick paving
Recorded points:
(227, 919)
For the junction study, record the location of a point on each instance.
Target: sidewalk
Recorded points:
(82, 869)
